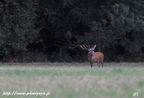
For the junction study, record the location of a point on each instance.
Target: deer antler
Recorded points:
(72, 45)
(84, 47)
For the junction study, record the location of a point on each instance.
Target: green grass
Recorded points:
(72, 80)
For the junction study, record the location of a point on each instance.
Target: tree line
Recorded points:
(48, 30)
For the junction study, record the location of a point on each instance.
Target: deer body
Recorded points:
(94, 56)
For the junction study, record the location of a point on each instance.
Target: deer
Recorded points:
(94, 56)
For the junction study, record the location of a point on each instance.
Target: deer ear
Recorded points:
(94, 46)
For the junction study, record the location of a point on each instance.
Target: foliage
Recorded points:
(48, 27)
(17, 28)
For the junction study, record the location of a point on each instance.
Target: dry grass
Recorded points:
(73, 80)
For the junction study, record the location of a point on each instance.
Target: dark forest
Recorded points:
(51, 30)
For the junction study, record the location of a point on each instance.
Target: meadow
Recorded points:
(71, 80)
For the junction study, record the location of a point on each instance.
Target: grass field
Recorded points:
(72, 80)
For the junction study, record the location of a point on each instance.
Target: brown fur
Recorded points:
(95, 57)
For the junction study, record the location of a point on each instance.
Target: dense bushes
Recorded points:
(43, 30)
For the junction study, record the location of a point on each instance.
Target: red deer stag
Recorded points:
(94, 56)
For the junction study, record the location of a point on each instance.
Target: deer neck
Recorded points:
(91, 52)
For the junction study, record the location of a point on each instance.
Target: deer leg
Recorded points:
(101, 63)
(98, 64)
(91, 63)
